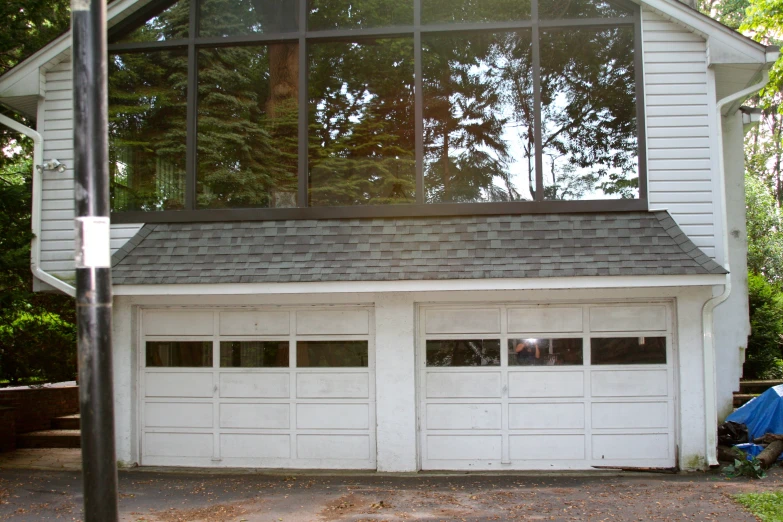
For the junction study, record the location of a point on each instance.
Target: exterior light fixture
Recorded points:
(53, 165)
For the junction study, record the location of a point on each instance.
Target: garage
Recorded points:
(562, 386)
(257, 387)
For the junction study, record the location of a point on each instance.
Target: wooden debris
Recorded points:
(771, 453)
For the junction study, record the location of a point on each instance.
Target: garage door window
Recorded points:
(545, 352)
(628, 350)
(254, 354)
(464, 352)
(332, 354)
(179, 354)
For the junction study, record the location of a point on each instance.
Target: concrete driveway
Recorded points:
(198, 495)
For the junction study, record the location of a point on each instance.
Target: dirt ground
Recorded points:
(34, 495)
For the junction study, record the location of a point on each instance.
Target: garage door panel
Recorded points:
(631, 446)
(249, 445)
(160, 322)
(257, 416)
(179, 384)
(463, 385)
(333, 385)
(545, 319)
(464, 416)
(178, 415)
(178, 444)
(463, 447)
(257, 385)
(545, 384)
(333, 416)
(628, 318)
(546, 416)
(255, 323)
(333, 322)
(478, 320)
(630, 383)
(348, 447)
(630, 415)
(547, 447)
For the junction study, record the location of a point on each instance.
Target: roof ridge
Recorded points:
(674, 231)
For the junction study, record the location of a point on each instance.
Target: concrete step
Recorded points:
(742, 398)
(67, 422)
(50, 439)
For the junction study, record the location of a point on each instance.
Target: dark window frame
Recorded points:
(420, 208)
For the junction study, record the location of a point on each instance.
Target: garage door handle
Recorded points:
(505, 391)
(214, 389)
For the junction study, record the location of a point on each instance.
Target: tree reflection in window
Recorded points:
(362, 145)
(478, 117)
(475, 352)
(588, 98)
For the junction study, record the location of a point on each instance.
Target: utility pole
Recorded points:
(93, 259)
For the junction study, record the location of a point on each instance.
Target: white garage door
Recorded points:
(546, 387)
(258, 388)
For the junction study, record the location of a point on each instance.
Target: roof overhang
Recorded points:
(454, 285)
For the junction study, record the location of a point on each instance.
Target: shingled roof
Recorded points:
(475, 247)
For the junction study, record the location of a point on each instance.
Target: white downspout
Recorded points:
(35, 245)
(710, 386)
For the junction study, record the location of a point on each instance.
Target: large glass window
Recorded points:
(179, 354)
(353, 105)
(464, 352)
(332, 354)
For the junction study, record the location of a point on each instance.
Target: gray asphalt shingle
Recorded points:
(393, 249)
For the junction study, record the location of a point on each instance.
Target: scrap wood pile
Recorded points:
(756, 429)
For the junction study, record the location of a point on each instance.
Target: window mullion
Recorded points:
(192, 110)
(418, 101)
(303, 169)
(537, 131)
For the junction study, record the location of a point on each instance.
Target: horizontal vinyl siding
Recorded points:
(57, 206)
(679, 161)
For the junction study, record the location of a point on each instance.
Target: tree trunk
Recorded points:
(771, 453)
(283, 76)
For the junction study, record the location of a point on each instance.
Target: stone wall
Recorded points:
(7, 429)
(34, 408)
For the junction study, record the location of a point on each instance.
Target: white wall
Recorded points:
(732, 324)
(679, 131)
(397, 425)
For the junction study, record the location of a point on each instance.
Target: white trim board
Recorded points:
(549, 283)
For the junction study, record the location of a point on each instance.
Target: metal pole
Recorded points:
(93, 259)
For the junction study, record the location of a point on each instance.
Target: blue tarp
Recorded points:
(763, 414)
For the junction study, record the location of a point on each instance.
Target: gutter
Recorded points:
(710, 385)
(35, 245)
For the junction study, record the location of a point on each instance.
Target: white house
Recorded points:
(413, 234)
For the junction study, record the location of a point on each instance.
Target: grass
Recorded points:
(768, 507)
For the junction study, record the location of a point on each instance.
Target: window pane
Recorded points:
(179, 354)
(243, 17)
(588, 99)
(478, 118)
(254, 354)
(628, 350)
(332, 354)
(147, 115)
(362, 148)
(358, 14)
(582, 9)
(479, 352)
(247, 126)
(465, 11)
(544, 352)
(170, 23)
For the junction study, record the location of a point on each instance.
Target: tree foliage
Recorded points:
(37, 334)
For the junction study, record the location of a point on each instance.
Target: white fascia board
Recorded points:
(451, 285)
(725, 44)
(52, 51)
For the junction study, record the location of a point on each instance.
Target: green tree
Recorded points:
(37, 334)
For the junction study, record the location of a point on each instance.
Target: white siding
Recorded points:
(679, 132)
(57, 207)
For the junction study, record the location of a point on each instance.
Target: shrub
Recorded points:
(764, 358)
(37, 347)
